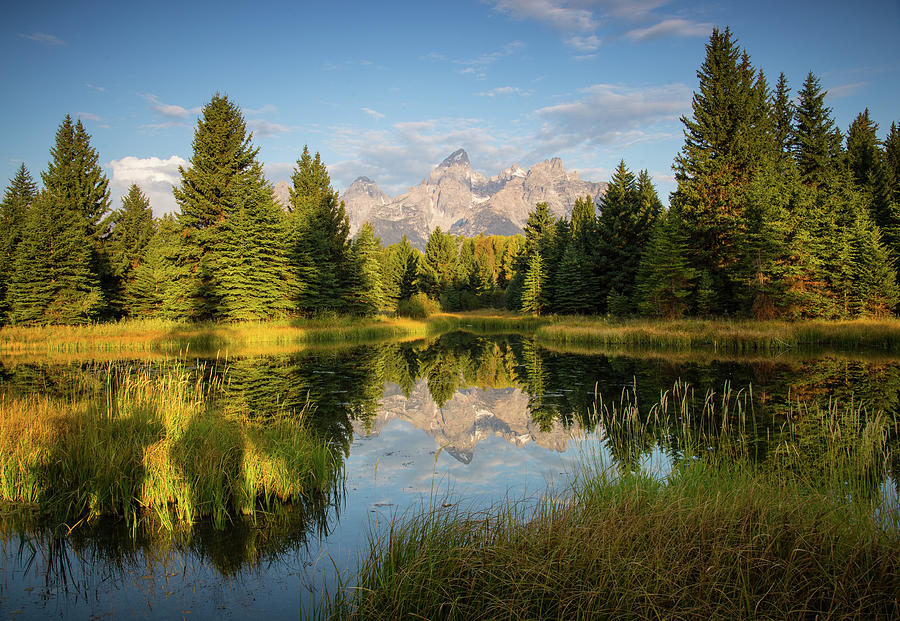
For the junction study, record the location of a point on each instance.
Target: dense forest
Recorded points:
(777, 213)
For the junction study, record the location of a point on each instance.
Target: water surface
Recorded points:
(460, 419)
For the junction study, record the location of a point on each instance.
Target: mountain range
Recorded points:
(462, 201)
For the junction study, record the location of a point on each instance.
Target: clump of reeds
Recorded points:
(156, 443)
(734, 336)
(719, 536)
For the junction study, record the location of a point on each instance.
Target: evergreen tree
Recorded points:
(862, 149)
(783, 116)
(20, 193)
(665, 279)
(540, 237)
(132, 229)
(533, 297)
(401, 272)
(52, 280)
(206, 195)
(627, 214)
(145, 292)
(366, 293)
(60, 266)
(318, 237)
(75, 178)
(727, 139)
(254, 270)
(439, 268)
(815, 136)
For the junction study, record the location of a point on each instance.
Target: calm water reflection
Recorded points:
(461, 418)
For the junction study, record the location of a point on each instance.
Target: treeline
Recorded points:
(776, 214)
(231, 253)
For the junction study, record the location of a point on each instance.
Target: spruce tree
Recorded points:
(60, 266)
(666, 281)
(52, 280)
(20, 193)
(145, 292)
(438, 270)
(254, 270)
(783, 117)
(815, 134)
(862, 149)
(533, 296)
(627, 214)
(231, 262)
(318, 238)
(366, 292)
(726, 140)
(131, 231)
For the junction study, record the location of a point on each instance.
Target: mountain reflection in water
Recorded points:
(483, 419)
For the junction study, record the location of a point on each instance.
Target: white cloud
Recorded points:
(551, 12)
(44, 39)
(587, 43)
(610, 114)
(266, 109)
(264, 129)
(478, 66)
(845, 90)
(89, 116)
(670, 27)
(373, 113)
(154, 175)
(170, 111)
(504, 90)
(94, 87)
(580, 21)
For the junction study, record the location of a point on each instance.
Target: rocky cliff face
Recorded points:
(461, 201)
(470, 416)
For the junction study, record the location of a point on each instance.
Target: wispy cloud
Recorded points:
(581, 22)
(504, 90)
(154, 175)
(44, 39)
(262, 111)
(477, 67)
(670, 27)
(373, 113)
(90, 116)
(170, 111)
(609, 114)
(845, 90)
(265, 129)
(94, 87)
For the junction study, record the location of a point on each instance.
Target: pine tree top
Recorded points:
(222, 152)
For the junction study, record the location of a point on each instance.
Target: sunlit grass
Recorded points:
(156, 444)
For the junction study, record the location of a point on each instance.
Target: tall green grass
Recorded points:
(156, 444)
(745, 336)
(806, 533)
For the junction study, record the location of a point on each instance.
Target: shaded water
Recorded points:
(461, 418)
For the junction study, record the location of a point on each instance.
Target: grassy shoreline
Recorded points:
(726, 336)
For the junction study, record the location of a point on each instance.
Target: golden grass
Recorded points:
(151, 444)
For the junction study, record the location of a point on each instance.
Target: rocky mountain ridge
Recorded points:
(462, 201)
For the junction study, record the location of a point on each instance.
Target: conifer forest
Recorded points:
(778, 213)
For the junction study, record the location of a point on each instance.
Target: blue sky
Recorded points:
(388, 89)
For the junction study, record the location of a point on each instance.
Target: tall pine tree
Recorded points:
(318, 238)
(20, 193)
